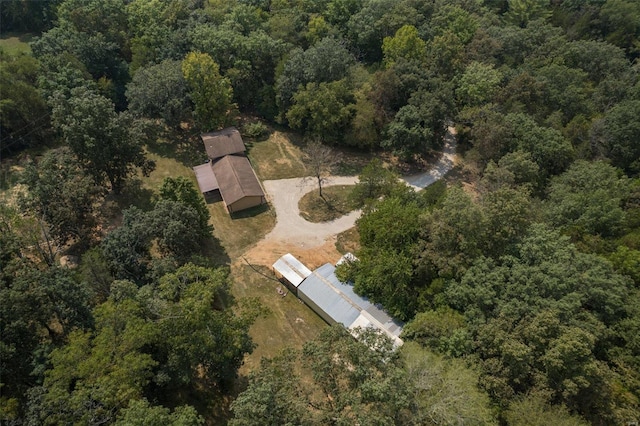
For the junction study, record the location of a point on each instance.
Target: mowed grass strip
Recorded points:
(336, 203)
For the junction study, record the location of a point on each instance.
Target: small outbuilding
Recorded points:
(223, 142)
(290, 271)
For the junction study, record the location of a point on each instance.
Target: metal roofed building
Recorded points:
(291, 271)
(336, 302)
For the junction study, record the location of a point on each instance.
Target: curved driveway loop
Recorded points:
(285, 194)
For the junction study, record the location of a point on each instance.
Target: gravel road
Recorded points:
(284, 195)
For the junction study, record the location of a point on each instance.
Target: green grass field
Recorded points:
(336, 203)
(14, 43)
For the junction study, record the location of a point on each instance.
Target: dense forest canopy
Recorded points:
(519, 279)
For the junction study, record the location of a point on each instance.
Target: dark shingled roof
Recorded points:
(206, 178)
(223, 142)
(236, 179)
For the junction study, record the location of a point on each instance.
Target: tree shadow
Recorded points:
(212, 249)
(251, 212)
(185, 146)
(132, 195)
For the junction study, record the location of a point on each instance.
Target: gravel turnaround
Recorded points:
(285, 194)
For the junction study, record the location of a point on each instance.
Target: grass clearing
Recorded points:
(289, 323)
(277, 157)
(336, 203)
(16, 43)
(238, 232)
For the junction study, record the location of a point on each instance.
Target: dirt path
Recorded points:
(316, 241)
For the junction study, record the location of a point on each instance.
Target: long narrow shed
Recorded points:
(333, 300)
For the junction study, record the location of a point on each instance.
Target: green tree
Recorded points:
(532, 410)
(322, 110)
(389, 233)
(444, 391)
(63, 195)
(101, 57)
(408, 134)
(40, 307)
(182, 190)
(324, 62)
(478, 84)
(202, 338)
(210, 92)
(108, 144)
(141, 413)
(98, 372)
(622, 127)
(405, 44)
(24, 119)
(539, 320)
(159, 91)
(520, 12)
(374, 181)
(453, 235)
(548, 148)
(588, 199)
(622, 24)
(351, 381)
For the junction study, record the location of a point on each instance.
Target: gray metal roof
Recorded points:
(342, 304)
(291, 269)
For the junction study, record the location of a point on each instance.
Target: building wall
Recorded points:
(245, 203)
(315, 308)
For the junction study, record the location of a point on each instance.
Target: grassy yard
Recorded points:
(15, 43)
(336, 203)
(289, 321)
(277, 157)
(237, 232)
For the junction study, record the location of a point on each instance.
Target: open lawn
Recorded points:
(277, 157)
(336, 203)
(289, 323)
(15, 43)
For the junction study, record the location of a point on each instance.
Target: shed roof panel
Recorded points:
(292, 269)
(206, 178)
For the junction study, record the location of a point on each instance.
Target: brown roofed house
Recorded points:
(228, 174)
(223, 142)
(239, 185)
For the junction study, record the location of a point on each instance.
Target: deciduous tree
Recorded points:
(108, 144)
(210, 92)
